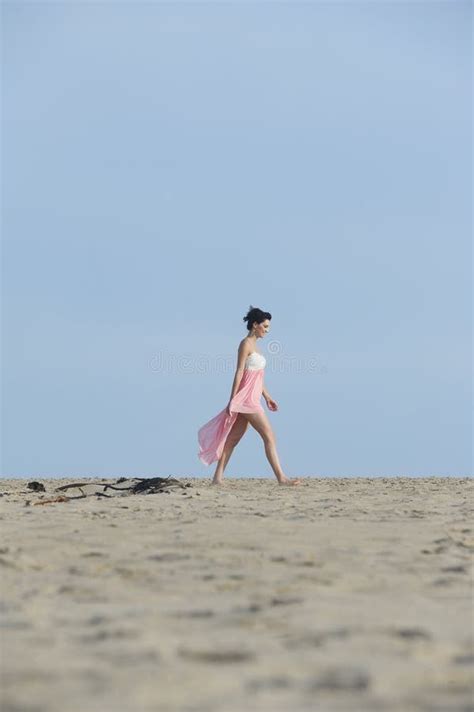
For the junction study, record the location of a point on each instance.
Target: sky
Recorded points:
(165, 165)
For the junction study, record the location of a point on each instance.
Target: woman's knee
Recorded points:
(263, 427)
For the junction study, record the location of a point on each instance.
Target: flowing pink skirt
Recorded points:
(213, 434)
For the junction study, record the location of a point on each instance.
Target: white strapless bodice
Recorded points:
(255, 361)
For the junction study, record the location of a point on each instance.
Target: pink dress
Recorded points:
(213, 434)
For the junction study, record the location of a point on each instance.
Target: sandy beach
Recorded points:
(337, 594)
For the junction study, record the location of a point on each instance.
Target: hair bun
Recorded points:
(255, 314)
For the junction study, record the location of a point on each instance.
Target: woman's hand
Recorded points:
(271, 404)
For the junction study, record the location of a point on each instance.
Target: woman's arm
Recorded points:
(244, 350)
(266, 394)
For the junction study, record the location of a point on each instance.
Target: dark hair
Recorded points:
(256, 314)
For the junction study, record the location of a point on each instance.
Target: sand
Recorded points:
(337, 594)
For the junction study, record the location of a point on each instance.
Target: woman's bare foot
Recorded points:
(286, 481)
(216, 482)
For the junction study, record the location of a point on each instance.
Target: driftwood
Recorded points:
(150, 485)
(136, 485)
(79, 486)
(62, 498)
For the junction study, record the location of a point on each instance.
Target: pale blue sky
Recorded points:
(165, 165)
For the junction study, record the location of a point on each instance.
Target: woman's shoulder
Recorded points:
(246, 346)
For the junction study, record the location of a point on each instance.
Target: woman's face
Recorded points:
(262, 329)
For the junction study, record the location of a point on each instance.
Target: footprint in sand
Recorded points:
(169, 556)
(268, 683)
(216, 656)
(103, 634)
(285, 600)
(347, 678)
(197, 613)
(316, 639)
(411, 633)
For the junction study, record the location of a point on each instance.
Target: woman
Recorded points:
(218, 437)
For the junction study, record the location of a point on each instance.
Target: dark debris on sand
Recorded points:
(134, 485)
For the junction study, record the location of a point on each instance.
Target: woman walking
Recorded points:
(219, 436)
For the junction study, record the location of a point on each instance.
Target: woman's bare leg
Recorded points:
(262, 425)
(236, 433)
